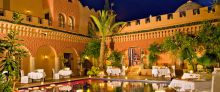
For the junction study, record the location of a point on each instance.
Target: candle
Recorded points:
(191, 71)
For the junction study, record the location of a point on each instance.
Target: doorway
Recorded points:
(69, 58)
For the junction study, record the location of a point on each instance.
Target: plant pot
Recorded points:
(147, 72)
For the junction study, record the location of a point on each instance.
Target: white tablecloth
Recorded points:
(36, 75)
(190, 76)
(114, 71)
(65, 72)
(192, 85)
(160, 72)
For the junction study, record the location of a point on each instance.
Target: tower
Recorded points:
(107, 5)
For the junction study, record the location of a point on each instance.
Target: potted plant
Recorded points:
(115, 58)
(11, 58)
(94, 71)
(63, 63)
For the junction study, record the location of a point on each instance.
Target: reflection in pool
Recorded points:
(98, 86)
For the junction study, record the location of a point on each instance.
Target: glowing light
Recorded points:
(42, 89)
(109, 78)
(52, 85)
(79, 90)
(28, 12)
(46, 57)
(48, 87)
(191, 71)
(182, 78)
(101, 85)
(30, 88)
(86, 57)
(42, 83)
(59, 85)
(126, 77)
(160, 90)
(90, 76)
(36, 88)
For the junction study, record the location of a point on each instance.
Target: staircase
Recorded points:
(134, 70)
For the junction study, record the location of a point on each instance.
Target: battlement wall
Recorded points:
(205, 13)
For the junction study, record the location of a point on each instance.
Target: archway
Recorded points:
(26, 61)
(45, 59)
(134, 55)
(73, 60)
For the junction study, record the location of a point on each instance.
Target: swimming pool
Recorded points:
(93, 85)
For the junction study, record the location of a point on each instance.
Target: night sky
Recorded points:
(137, 9)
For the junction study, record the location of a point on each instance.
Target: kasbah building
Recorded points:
(55, 28)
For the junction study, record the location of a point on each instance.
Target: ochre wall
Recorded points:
(85, 13)
(38, 8)
(34, 6)
(1, 4)
(45, 60)
(54, 43)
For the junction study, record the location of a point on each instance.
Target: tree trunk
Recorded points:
(102, 53)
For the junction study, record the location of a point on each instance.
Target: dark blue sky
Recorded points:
(136, 9)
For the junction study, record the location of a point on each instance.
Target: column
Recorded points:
(56, 64)
(32, 63)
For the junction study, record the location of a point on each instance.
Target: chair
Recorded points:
(24, 79)
(55, 75)
(173, 71)
(215, 81)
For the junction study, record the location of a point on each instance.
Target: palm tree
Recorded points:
(105, 22)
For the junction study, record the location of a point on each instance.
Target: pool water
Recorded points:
(98, 86)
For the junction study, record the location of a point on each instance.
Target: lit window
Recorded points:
(183, 14)
(158, 18)
(61, 21)
(138, 22)
(147, 20)
(170, 16)
(71, 23)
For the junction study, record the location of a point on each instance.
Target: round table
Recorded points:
(65, 72)
(36, 75)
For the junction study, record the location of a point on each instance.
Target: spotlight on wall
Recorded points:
(46, 57)
(28, 12)
(44, 33)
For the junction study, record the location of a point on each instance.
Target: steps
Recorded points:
(134, 70)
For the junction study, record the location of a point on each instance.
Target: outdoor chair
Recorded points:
(55, 75)
(215, 81)
(24, 79)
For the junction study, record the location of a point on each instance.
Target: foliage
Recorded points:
(183, 45)
(189, 47)
(154, 50)
(5, 85)
(115, 58)
(92, 30)
(94, 71)
(63, 61)
(204, 60)
(92, 49)
(87, 64)
(12, 57)
(106, 25)
(209, 39)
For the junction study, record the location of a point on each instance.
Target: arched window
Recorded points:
(61, 20)
(71, 23)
